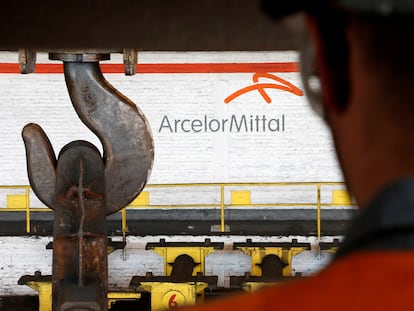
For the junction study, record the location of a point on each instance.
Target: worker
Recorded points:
(360, 79)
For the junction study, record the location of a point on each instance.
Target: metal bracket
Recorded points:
(27, 58)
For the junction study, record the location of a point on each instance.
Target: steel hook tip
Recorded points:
(41, 163)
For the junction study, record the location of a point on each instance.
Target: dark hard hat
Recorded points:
(278, 9)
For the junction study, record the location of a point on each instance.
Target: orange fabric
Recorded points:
(362, 281)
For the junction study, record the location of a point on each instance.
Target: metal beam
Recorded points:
(152, 25)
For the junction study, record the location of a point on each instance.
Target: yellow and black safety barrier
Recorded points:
(215, 195)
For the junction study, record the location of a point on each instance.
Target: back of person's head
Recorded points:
(383, 29)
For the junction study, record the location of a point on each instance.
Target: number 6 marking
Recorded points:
(171, 303)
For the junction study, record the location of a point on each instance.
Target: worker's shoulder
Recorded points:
(360, 281)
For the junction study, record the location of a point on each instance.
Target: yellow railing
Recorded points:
(207, 195)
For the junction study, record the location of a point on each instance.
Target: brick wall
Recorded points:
(300, 151)
(25, 255)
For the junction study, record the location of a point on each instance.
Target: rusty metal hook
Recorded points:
(82, 187)
(119, 124)
(121, 127)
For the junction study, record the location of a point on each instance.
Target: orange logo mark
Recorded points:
(284, 86)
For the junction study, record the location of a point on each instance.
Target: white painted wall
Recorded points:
(302, 152)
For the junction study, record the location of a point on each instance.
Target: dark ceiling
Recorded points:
(152, 25)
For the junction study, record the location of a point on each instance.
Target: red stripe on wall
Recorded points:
(9, 68)
(170, 68)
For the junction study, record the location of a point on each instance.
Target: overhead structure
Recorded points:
(151, 25)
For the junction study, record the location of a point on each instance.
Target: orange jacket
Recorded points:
(366, 280)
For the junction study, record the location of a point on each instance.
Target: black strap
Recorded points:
(385, 224)
(387, 239)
